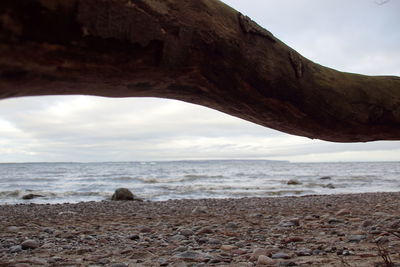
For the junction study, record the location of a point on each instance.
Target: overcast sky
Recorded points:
(350, 35)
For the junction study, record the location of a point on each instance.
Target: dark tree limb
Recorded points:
(198, 51)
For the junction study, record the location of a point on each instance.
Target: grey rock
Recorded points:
(186, 232)
(134, 237)
(119, 265)
(290, 223)
(356, 238)
(304, 252)
(192, 256)
(12, 229)
(281, 255)
(232, 225)
(122, 194)
(29, 244)
(178, 238)
(16, 249)
(181, 249)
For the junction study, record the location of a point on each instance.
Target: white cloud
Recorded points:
(355, 36)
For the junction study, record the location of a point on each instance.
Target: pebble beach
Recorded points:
(318, 230)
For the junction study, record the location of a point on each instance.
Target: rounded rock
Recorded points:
(29, 244)
(265, 260)
(122, 194)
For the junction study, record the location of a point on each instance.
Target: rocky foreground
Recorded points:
(334, 230)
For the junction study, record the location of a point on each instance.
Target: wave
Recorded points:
(50, 195)
(186, 178)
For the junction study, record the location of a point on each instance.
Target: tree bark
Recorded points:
(198, 51)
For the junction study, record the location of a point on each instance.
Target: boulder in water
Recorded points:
(293, 182)
(123, 194)
(31, 196)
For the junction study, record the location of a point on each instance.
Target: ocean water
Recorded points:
(75, 182)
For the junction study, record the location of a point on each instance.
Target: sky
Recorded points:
(358, 36)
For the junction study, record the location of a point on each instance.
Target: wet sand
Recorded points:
(330, 230)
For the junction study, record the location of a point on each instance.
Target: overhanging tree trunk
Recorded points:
(198, 51)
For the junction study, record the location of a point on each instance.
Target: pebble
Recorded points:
(293, 239)
(186, 232)
(343, 212)
(356, 238)
(178, 237)
(29, 244)
(265, 260)
(199, 210)
(304, 252)
(12, 229)
(191, 256)
(232, 225)
(16, 249)
(228, 247)
(205, 230)
(290, 223)
(258, 252)
(280, 255)
(134, 237)
(119, 265)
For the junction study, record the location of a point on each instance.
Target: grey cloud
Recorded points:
(356, 36)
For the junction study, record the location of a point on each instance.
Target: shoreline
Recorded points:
(312, 230)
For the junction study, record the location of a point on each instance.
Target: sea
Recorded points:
(164, 180)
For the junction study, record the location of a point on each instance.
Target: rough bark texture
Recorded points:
(198, 51)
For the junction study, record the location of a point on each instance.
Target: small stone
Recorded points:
(367, 223)
(181, 249)
(290, 223)
(232, 225)
(12, 229)
(199, 210)
(304, 252)
(103, 261)
(280, 255)
(29, 244)
(239, 251)
(119, 265)
(265, 260)
(178, 238)
(134, 237)
(356, 238)
(258, 252)
(205, 230)
(192, 256)
(292, 239)
(343, 212)
(16, 249)
(334, 221)
(186, 232)
(228, 247)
